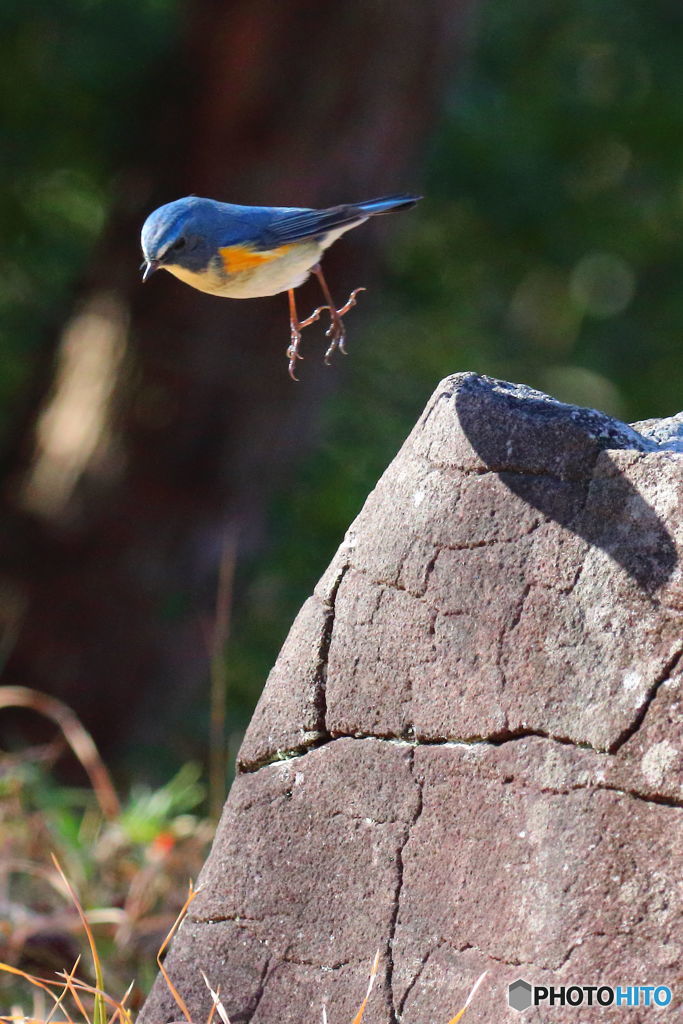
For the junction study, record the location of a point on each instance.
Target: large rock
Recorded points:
(469, 752)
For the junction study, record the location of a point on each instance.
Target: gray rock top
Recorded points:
(524, 400)
(667, 433)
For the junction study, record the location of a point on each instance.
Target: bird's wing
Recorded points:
(289, 226)
(268, 228)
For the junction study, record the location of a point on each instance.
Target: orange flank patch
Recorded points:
(237, 258)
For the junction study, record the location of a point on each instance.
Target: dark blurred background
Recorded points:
(146, 433)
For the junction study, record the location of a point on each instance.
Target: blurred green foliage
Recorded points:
(70, 75)
(547, 250)
(550, 250)
(130, 872)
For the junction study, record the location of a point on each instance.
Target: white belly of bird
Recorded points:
(285, 271)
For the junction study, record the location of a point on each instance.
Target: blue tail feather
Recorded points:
(387, 203)
(293, 225)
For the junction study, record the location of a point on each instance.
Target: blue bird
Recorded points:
(246, 252)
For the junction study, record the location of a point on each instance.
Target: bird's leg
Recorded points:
(336, 332)
(295, 328)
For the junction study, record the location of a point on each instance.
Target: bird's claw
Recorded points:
(293, 350)
(295, 329)
(337, 334)
(336, 331)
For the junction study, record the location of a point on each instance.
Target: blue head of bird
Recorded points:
(179, 237)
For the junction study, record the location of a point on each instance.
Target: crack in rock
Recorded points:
(603, 787)
(325, 968)
(416, 977)
(320, 698)
(394, 1010)
(495, 740)
(633, 794)
(639, 718)
(262, 983)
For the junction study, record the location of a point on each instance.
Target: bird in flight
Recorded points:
(246, 252)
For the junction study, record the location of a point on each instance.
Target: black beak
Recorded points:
(148, 268)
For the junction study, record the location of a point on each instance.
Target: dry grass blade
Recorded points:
(458, 1016)
(58, 1001)
(217, 1004)
(99, 1010)
(21, 1018)
(46, 984)
(34, 870)
(73, 992)
(76, 986)
(68, 983)
(121, 1013)
(179, 1001)
(80, 741)
(371, 981)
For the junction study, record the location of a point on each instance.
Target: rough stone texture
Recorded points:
(470, 751)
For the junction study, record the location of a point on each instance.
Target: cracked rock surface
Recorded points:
(469, 753)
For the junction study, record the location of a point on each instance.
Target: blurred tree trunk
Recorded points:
(170, 414)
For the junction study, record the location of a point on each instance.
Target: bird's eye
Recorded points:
(178, 245)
